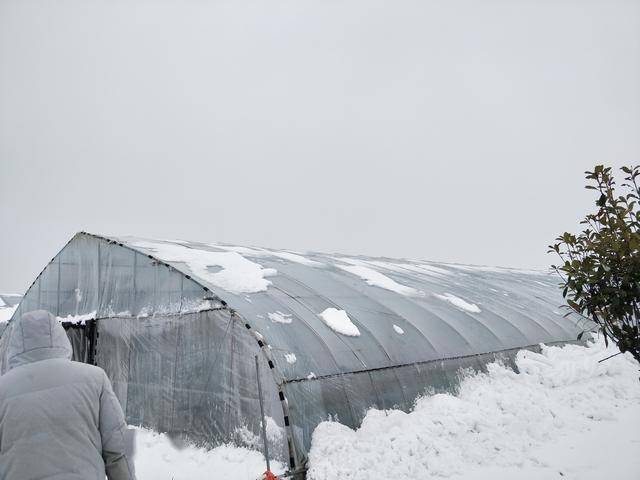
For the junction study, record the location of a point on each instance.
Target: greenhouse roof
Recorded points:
(325, 314)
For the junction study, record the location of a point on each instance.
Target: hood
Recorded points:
(37, 336)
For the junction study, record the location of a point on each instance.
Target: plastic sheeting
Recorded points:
(191, 376)
(179, 324)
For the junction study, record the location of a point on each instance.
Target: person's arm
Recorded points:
(115, 436)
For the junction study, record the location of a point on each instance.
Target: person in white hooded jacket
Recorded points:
(59, 419)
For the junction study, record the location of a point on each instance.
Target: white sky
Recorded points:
(454, 130)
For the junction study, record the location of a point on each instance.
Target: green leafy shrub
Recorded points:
(600, 267)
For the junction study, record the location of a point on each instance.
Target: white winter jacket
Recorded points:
(59, 420)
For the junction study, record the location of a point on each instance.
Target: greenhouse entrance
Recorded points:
(83, 340)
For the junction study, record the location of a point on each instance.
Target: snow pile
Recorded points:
(459, 302)
(564, 416)
(377, 279)
(339, 321)
(157, 458)
(236, 274)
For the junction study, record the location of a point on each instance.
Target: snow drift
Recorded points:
(498, 420)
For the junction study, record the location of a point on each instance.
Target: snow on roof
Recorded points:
(263, 252)
(278, 290)
(459, 302)
(398, 330)
(245, 270)
(289, 296)
(279, 317)
(375, 278)
(235, 274)
(339, 321)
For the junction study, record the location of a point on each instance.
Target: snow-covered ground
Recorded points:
(564, 416)
(157, 458)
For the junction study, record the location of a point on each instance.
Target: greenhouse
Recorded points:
(177, 326)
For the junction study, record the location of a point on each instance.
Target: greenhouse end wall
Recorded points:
(191, 376)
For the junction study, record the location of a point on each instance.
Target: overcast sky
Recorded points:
(444, 130)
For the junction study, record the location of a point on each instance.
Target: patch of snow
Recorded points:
(248, 251)
(244, 437)
(290, 358)
(157, 458)
(275, 433)
(186, 306)
(339, 322)
(377, 279)
(296, 258)
(6, 313)
(279, 317)
(258, 335)
(263, 252)
(237, 275)
(459, 302)
(181, 242)
(78, 319)
(398, 330)
(563, 416)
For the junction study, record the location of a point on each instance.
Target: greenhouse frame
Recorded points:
(177, 326)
